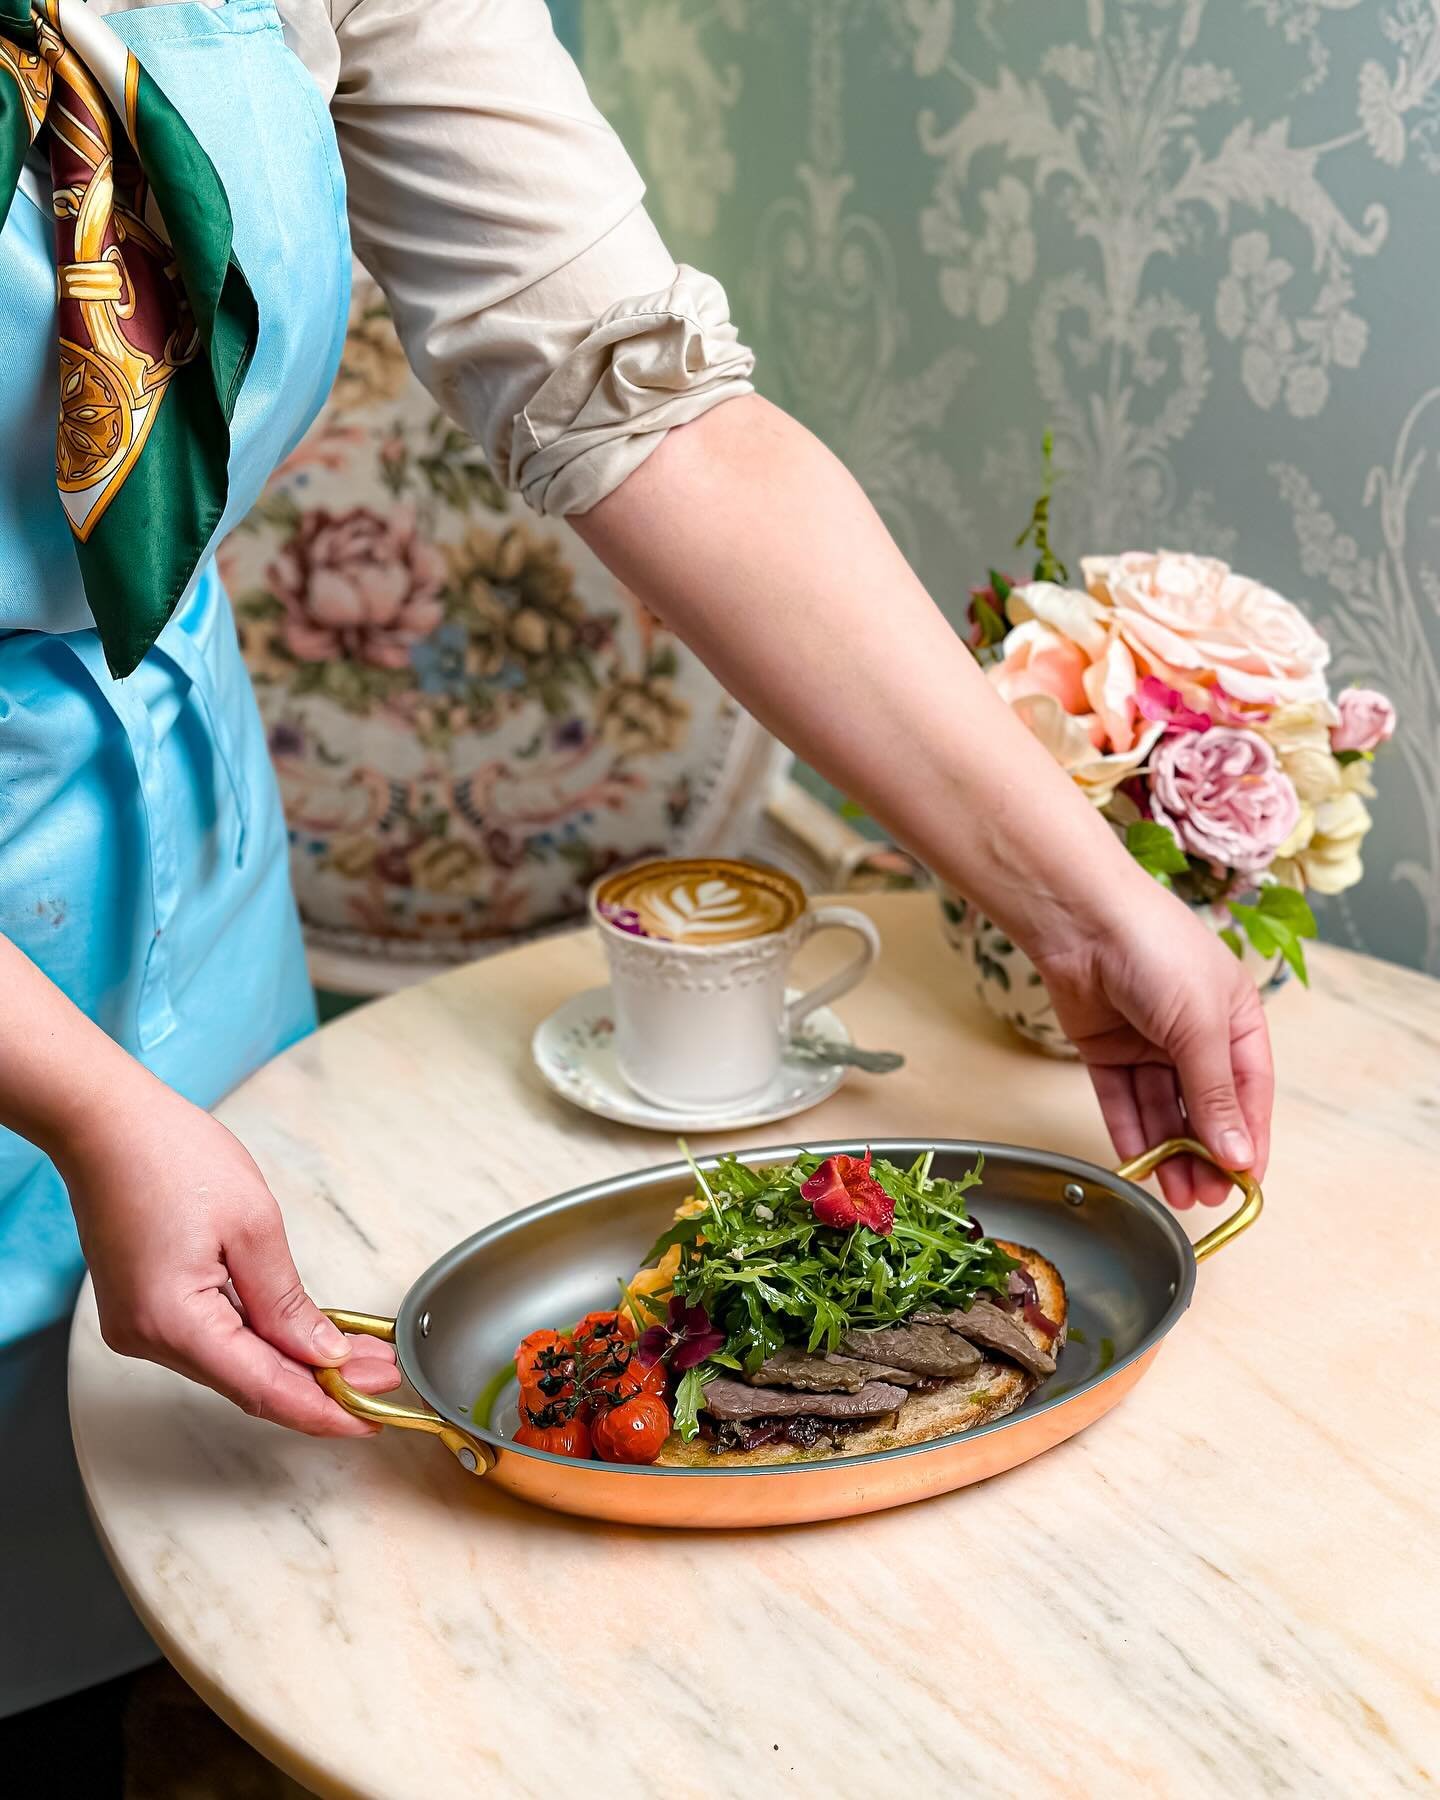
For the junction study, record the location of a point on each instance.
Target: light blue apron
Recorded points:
(143, 861)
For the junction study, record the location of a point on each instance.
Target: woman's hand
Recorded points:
(1171, 1028)
(184, 1239)
(187, 1251)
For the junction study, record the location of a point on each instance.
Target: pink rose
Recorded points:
(1196, 624)
(357, 586)
(1038, 660)
(1367, 719)
(1224, 795)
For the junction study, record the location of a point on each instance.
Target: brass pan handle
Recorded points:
(1240, 1220)
(471, 1454)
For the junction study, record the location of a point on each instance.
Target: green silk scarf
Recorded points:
(155, 321)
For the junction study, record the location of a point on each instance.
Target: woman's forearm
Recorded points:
(59, 1073)
(752, 542)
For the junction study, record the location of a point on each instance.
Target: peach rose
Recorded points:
(1095, 656)
(1111, 685)
(357, 585)
(1037, 660)
(1196, 624)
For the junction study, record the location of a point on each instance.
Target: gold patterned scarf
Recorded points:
(155, 320)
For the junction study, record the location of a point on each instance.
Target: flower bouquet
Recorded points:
(1191, 705)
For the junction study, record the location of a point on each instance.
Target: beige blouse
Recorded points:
(505, 222)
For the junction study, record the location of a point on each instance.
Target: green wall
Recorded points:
(1199, 240)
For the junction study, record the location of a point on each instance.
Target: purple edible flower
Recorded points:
(623, 918)
(686, 1338)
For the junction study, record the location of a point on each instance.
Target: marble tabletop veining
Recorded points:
(1229, 1585)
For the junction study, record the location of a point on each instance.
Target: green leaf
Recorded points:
(1276, 923)
(1345, 757)
(689, 1398)
(1290, 949)
(1230, 937)
(1000, 587)
(992, 626)
(1156, 849)
(1289, 906)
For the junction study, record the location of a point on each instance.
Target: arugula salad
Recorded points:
(803, 1254)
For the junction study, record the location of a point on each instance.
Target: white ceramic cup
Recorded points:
(701, 1027)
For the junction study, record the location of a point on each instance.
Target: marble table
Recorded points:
(1227, 1586)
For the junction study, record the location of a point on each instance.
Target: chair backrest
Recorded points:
(470, 718)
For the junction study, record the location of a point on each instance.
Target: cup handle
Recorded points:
(847, 919)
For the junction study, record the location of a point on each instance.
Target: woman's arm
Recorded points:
(184, 1239)
(748, 538)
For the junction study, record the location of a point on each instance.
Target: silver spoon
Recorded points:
(826, 1050)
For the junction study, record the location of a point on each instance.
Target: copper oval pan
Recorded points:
(1129, 1271)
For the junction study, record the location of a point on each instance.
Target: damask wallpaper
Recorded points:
(1200, 239)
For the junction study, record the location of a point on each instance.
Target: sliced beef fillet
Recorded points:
(809, 1373)
(873, 1371)
(726, 1399)
(985, 1324)
(927, 1349)
(812, 1372)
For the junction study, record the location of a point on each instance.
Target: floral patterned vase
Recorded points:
(470, 719)
(1010, 986)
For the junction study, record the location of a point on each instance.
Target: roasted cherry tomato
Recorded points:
(599, 1331)
(633, 1431)
(546, 1391)
(545, 1356)
(546, 1428)
(634, 1379)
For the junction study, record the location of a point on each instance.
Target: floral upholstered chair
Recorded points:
(470, 719)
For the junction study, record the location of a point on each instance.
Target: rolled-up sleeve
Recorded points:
(505, 222)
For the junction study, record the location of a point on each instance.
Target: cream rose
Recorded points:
(1327, 855)
(1068, 740)
(1300, 737)
(1075, 615)
(1195, 623)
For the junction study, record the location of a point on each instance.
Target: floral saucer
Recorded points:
(574, 1049)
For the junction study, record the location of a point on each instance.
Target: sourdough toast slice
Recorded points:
(994, 1389)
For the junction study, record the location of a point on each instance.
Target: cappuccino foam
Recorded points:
(708, 900)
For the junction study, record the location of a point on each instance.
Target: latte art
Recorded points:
(709, 901)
